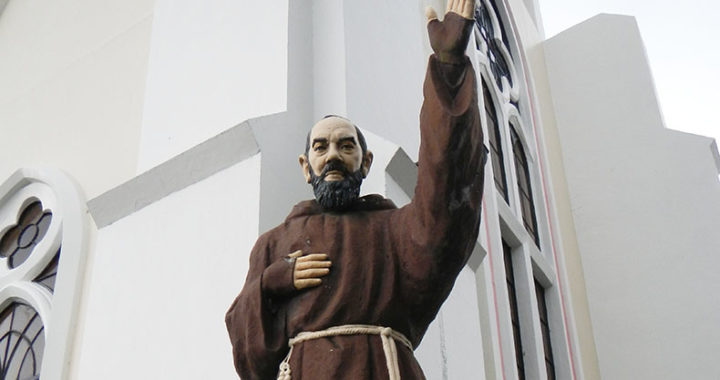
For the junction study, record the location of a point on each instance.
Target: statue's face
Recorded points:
(335, 164)
(335, 139)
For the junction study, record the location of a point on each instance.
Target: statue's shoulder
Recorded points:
(304, 208)
(374, 202)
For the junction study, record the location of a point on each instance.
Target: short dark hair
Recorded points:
(361, 137)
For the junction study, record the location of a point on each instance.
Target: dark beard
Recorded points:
(336, 195)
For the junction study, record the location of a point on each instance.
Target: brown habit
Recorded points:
(391, 267)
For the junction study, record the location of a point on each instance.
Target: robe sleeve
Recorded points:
(256, 319)
(435, 233)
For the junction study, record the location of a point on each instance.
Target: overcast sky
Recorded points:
(682, 39)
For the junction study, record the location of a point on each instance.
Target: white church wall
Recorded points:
(383, 151)
(452, 346)
(646, 206)
(212, 66)
(385, 68)
(329, 68)
(73, 79)
(162, 279)
(461, 328)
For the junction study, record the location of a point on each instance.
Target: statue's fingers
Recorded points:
(312, 257)
(468, 9)
(311, 273)
(295, 254)
(307, 283)
(450, 5)
(459, 6)
(312, 264)
(430, 13)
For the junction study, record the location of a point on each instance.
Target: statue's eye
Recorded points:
(348, 147)
(319, 147)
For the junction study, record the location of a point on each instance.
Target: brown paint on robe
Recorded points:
(391, 267)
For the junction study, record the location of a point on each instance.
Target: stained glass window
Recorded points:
(22, 342)
(18, 242)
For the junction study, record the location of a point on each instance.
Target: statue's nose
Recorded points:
(333, 153)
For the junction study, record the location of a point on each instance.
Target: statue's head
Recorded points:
(335, 162)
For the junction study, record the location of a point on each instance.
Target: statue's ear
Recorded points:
(366, 163)
(305, 166)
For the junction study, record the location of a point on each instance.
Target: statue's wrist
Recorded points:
(277, 279)
(450, 58)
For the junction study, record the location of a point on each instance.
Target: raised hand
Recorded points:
(309, 269)
(450, 37)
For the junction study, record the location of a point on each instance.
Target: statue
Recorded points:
(346, 287)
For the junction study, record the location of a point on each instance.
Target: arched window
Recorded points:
(22, 335)
(41, 213)
(524, 188)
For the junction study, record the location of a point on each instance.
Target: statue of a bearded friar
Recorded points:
(346, 287)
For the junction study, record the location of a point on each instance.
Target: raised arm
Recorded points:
(439, 227)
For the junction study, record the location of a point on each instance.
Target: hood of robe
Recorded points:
(372, 202)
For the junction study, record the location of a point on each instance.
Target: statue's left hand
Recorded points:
(449, 37)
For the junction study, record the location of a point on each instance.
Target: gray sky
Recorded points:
(682, 40)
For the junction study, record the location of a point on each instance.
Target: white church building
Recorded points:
(146, 144)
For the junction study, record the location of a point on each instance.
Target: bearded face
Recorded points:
(336, 195)
(335, 162)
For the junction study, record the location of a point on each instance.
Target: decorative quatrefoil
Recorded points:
(18, 242)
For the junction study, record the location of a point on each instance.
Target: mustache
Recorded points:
(334, 166)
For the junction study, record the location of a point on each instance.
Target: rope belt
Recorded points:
(388, 336)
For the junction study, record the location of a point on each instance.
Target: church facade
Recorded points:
(148, 143)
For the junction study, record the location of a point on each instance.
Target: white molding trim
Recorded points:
(205, 159)
(69, 227)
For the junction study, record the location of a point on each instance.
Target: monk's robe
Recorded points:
(391, 267)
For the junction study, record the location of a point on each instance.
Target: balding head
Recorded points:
(336, 160)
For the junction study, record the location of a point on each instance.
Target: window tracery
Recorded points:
(22, 342)
(489, 39)
(18, 243)
(42, 213)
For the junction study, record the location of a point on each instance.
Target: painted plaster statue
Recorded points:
(346, 287)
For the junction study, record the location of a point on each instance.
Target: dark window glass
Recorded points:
(483, 23)
(22, 342)
(545, 326)
(48, 275)
(496, 153)
(514, 316)
(18, 242)
(525, 189)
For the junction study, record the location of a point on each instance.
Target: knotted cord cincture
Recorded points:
(388, 336)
